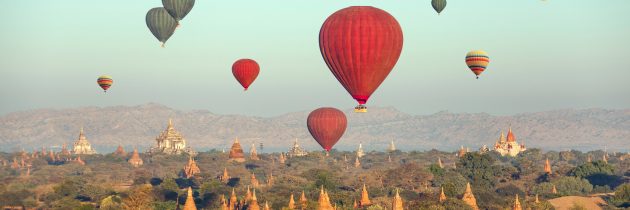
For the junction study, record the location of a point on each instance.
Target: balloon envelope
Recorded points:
(245, 71)
(438, 5)
(327, 125)
(178, 8)
(360, 45)
(105, 82)
(477, 61)
(161, 24)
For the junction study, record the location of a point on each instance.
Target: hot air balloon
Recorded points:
(438, 5)
(245, 71)
(178, 8)
(326, 125)
(477, 61)
(360, 45)
(105, 82)
(161, 24)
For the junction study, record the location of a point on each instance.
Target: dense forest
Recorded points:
(110, 182)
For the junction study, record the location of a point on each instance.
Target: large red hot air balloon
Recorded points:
(327, 125)
(361, 45)
(245, 71)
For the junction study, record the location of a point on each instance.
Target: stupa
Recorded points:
(365, 198)
(548, 167)
(397, 202)
(253, 154)
(190, 201)
(517, 204)
(469, 198)
(135, 159)
(120, 151)
(191, 169)
(82, 146)
(225, 178)
(324, 201)
(442, 197)
(359, 151)
(236, 152)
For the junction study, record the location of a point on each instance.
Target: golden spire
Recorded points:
(439, 162)
(248, 194)
(397, 202)
(324, 200)
(135, 159)
(253, 154)
(253, 205)
(226, 177)
(536, 200)
(282, 159)
(224, 205)
(510, 135)
(517, 204)
(442, 195)
(469, 198)
(365, 198)
(303, 201)
(554, 190)
(291, 202)
(267, 206)
(604, 159)
(233, 200)
(190, 202)
(502, 138)
(170, 123)
(547, 167)
(191, 168)
(462, 152)
(357, 163)
(255, 183)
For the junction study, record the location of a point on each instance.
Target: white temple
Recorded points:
(82, 146)
(509, 146)
(296, 150)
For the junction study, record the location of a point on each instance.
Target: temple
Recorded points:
(291, 202)
(170, 141)
(253, 154)
(517, 204)
(225, 178)
(236, 152)
(442, 197)
(191, 169)
(120, 151)
(508, 146)
(469, 198)
(548, 167)
(253, 204)
(282, 159)
(254, 181)
(397, 202)
(357, 163)
(392, 147)
(296, 150)
(365, 198)
(190, 201)
(324, 201)
(303, 201)
(82, 146)
(135, 159)
(439, 163)
(359, 151)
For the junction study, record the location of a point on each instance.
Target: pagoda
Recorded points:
(324, 201)
(365, 198)
(236, 152)
(296, 150)
(282, 159)
(392, 147)
(120, 151)
(233, 201)
(605, 159)
(270, 179)
(253, 154)
(190, 201)
(224, 203)
(291, 202)
(508, 146)
(303, 201)
(225, 178)
(469, 198)
(359, 151)
(536, 200)
(397, 202)
(135, 159)
(81, 146)
(439, 163)
(554, 190)
(462, 151)
(191, 169)
(548, 167)
(170, 142)
(357, 163)
(517, 204)
(255, 182)
(253, 204)
(267, 206)
(442, 197)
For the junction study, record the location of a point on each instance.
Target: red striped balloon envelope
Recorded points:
(105, 82)
(245, 71)
(327, 125)
(361, 45)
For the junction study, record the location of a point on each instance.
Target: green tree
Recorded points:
(573, 186)
(588, 169)
(478, 168)
(139, 198)
(112, 202)
(622, 196)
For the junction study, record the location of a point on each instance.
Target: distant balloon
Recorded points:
(438, 5)
(360, 45)
(327, 125)
(178, 8)
(105, 82)
(161, 24)
(477, 61)
(245, 71)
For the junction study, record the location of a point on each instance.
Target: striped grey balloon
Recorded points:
(161, 24)
(438, 5)
(178, 8)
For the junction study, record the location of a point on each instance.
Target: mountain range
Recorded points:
(137, 126)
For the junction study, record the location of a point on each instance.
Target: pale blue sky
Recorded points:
(545, 55)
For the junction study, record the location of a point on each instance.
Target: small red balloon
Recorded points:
(245, 71)
(327, 125)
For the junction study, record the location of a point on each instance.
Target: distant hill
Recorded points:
(138, 125)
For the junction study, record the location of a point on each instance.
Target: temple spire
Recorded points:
(357, 163)
(536, 200)
(253, 205)
(517, 204)
(303, 201)
(469, 198)
(397, 202)
(291, 202)
(439, 162)
(190, 201)
(365, 198)
(554, 190)
(233, 200)
(442, 197)
(548, 167)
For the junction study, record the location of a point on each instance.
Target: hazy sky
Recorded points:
(544, 55)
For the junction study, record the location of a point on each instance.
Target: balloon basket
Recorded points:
(360, 109)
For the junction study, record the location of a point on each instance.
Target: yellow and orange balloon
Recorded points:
(105, 82)
(477, 61)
